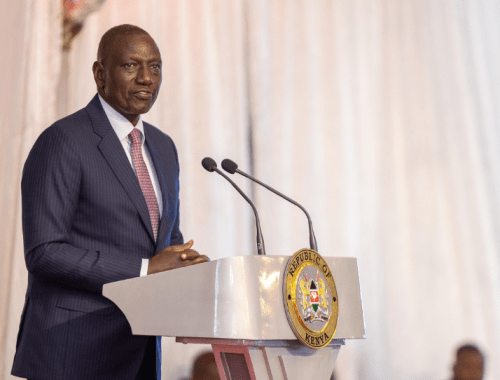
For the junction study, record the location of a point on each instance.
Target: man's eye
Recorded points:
(129, 65)
(157, 67)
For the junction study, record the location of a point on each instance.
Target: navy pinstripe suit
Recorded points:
(86, 223)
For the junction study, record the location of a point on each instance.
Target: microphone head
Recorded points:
(209, 164)
(229, 166)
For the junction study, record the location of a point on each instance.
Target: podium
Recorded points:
(236, 305)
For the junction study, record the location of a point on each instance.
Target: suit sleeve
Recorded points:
(50, 192)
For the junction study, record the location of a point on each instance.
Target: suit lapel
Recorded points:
(160, 173)
(112, 150)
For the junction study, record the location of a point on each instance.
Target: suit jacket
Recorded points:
(85, 224)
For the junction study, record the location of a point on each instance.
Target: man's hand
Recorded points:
(175, 256)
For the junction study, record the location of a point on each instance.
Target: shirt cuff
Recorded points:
(144, 267)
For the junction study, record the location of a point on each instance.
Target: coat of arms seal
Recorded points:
(311, 301)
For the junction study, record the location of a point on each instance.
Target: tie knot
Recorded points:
(135, 136)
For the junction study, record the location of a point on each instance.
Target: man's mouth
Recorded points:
(146, 95)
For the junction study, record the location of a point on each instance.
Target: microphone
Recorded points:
(231, 167)
(210, 165)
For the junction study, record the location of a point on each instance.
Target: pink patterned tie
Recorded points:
(145, 180)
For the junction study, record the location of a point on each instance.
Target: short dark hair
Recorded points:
(108, 38)
(201, 364)
(469, 348)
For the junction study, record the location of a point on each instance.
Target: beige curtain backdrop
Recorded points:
(381, 117)
(29, 46)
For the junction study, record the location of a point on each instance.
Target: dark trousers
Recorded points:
(148, 366)
(147, 371)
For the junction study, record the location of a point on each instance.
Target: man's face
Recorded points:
(469, 366)
(130, 77)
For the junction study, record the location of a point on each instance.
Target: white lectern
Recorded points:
(236, 305)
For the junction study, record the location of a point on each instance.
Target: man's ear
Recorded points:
(98, 70)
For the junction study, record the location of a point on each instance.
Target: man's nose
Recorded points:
(144, 75)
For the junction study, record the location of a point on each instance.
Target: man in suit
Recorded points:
(100, 204)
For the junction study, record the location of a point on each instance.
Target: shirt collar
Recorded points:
(120, 124)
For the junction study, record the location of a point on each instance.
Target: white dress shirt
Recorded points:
(123, 128)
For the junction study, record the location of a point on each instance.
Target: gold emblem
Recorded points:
(311, 301)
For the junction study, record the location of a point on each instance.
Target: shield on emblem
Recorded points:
(313, 291)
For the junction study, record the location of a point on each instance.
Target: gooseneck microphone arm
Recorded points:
(210, 165)
(232, 167)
